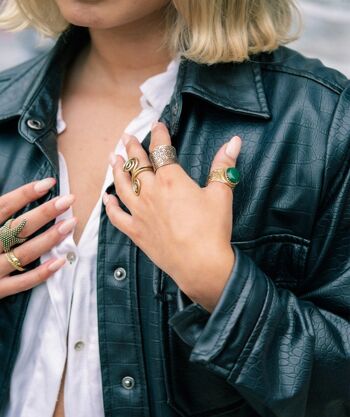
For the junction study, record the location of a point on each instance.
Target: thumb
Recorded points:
(226, 157)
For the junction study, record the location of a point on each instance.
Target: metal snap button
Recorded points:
(35, 124)
(119, 274)
(79, 345)
(128, 382)
(174, 109)
(71, 257)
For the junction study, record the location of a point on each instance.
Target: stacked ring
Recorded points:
(229, 176)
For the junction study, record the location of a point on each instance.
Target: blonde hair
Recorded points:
(205, 31)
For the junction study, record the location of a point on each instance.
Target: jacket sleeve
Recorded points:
(288, 355)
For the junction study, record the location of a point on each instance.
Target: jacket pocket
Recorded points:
(281, 257)
(191, 389)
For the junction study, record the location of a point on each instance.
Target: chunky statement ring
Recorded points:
(163, 155)
(14, 261)
(131, 166)
(229, 176)
(9, 237)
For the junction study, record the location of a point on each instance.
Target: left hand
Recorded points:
(183, 228)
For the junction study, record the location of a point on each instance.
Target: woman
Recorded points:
(169, 297)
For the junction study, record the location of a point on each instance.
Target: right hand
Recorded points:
(32, 249)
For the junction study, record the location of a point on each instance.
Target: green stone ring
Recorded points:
(233, 175)
(229, 176)
(9, 237)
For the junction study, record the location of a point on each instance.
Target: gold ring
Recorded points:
(163, 155)
(9, 237)
(14, 261)
(131, 166)
(229, 176)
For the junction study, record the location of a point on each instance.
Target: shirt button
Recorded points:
(71, 257)
(79, 345)
(128, 382)
(35, 124)
(119, 274)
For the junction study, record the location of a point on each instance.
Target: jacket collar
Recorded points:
(233, 86)
(31, 91)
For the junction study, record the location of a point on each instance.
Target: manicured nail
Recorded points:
(56, 265)
(44, 185)
(105, 198)
(231, 147)
(67, 226)
(112, 159)
(63, 203)
(125, 138)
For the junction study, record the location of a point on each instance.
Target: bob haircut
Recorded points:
(205, 31)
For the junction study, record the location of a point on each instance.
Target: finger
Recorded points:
(135, 150)
(225, 157)
(36, 247)
(41, 215)
(160, 136)
(13, 201)
(117, 216)
(122, 181)
(22, 282)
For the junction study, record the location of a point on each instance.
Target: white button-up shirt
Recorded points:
(61, 319)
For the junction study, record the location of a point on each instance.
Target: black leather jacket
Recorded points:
(278, 341)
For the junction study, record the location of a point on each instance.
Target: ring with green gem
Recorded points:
(229, 176)
(233, 175)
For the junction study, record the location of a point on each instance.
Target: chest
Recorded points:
(92, 132)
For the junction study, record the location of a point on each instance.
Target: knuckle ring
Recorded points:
(14, 261)
(9, 237)
(229, 176)
(131, 165)
(163, 155)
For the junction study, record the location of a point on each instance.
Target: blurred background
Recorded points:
(326, 35)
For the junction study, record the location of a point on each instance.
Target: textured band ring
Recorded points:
(14, 261)
(163, 155)
(9, 237)
(229, 176)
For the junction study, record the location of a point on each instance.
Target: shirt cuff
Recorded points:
(218, 338)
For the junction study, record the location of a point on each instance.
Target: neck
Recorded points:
(126, 55)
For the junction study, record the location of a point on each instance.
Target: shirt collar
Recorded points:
(153, 87)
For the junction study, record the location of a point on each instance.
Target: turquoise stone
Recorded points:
(233, 175)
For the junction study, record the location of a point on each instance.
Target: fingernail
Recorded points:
(67, 226)
(44, 185)
(56, 265)
(64, 202)
(105, 198)
(112, 159)
(231, 147)
(125, 138)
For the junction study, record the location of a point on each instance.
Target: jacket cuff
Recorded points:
(218, 338)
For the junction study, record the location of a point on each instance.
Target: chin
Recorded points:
(87, 13)
(105, 14)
